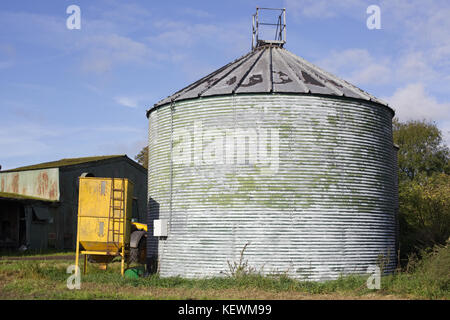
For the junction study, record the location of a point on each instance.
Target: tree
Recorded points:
(424, 185)
(421, 149)
(424, 212)
(142, 157)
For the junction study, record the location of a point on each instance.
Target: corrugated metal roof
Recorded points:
(270, 69)
(63, 163)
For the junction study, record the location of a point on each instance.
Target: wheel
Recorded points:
(138, 255)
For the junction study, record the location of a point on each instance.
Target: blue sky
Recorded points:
(72, 93)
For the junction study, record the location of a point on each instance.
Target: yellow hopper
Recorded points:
(104, 219)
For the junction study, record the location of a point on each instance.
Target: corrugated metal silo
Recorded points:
(272, 152)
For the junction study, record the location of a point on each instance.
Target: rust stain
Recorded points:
(3, 184)
(52, 193)
(24, 190)
(15, 183)
(43, 183)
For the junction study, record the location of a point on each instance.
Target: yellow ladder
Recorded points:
(116, 219)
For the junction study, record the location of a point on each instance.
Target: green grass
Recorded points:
(35, 253)
(427, 278)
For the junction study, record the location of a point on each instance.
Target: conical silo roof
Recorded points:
(269, 69)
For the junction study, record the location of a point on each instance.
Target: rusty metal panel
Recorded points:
(306, 181)
(43, 183)
(269, 69)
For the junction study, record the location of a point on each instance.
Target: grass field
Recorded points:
(33, 278)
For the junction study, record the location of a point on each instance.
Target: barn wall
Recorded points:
(43, 183)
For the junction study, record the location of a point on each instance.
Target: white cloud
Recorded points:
(373, 73)
(126, 101)
(414, 65)
(323, 9)
(445, 129)
(134, 100)
(412, 102)
(420, 28)
(197, 13)
(23, 140)
(423, 29)
(358, 66)
(107, 39)
(425, 21)
(105, 51)
(185, 43)
(178, 34)
(128, 147)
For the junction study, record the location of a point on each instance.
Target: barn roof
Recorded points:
(64, 162)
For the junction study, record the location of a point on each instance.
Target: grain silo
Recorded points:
(272, 154)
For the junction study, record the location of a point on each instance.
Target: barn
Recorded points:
(39, 203)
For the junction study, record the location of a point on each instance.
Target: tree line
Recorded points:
(424, 186)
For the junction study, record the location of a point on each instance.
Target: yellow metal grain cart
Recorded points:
(104, 219)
